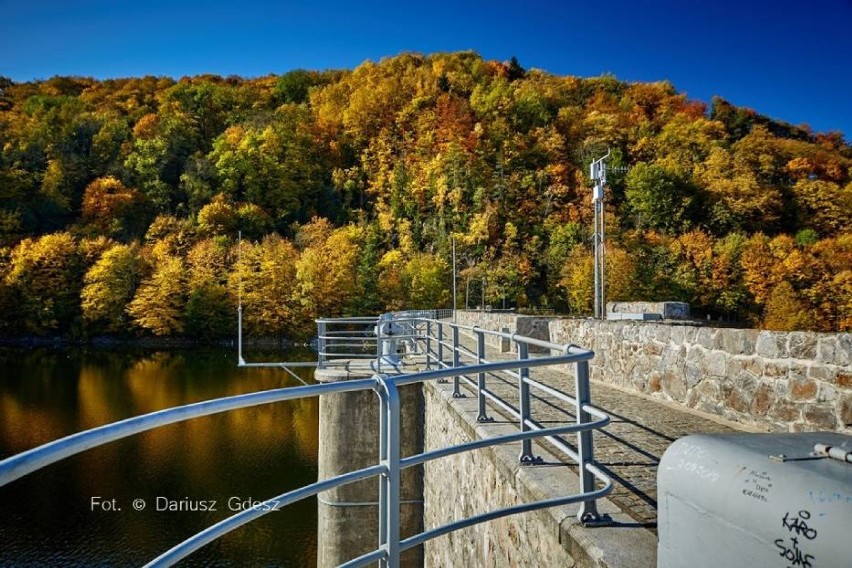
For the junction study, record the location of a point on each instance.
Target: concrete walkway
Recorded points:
(629, 449)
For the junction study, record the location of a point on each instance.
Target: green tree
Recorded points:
(293, 87)
(275, 167)
(209, 312)
(659, 199)
(210, 308)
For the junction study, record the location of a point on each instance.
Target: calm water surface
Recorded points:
(48, 517)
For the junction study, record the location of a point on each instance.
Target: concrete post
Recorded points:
(505, 342)
(348, 517)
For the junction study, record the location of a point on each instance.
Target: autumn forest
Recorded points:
(121, 200)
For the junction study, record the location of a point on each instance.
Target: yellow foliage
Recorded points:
(390, 282)
(107, 199)
(825, 206)
(109, 286)
(159, 302)
(578, 281)
(478, 229)
(46, 272)
(785, 311)
(326, 273)
(146, 127)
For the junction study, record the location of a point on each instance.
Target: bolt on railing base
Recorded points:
(530, 460)
(594, 519)
(459, 395)
(484, 418)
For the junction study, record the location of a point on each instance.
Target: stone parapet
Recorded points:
(470, 483)
(777, 381)
(771, 380)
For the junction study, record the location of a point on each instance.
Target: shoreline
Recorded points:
(106, 342)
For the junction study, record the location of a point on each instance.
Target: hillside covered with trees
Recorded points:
(121, 200)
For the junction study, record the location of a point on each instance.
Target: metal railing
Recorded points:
(428, 337)
(582, 453)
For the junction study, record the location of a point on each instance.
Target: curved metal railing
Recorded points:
(418, 328)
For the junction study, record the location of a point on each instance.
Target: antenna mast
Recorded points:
(597, 171)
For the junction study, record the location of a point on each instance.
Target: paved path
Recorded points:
(629, 448)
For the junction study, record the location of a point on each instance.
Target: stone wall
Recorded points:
(778, 381)
(463, 485)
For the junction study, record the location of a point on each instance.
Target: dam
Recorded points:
(424, 407)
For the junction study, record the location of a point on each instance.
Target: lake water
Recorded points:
(60, 516)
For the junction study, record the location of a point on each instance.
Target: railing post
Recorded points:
(379, 345)
(411, 329)
(456, 390)
(482, 416)
(526, 457)
(588, 513)
(321, 345)
(389, 485)
(429, 345)
(441, 348)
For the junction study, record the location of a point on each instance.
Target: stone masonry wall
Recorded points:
(469, 483)
(777, 381)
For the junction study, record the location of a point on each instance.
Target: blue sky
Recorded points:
(791, 60)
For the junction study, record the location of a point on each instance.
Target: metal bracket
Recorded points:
(526, 460)
(596, 520)
(781, 458)
(484, 418)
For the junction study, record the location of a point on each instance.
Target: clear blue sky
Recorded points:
(791, 60)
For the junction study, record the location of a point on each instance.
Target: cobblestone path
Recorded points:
(629, 449)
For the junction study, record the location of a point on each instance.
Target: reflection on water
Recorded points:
(48, 517)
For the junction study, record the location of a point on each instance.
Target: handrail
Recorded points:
(505, 512)
(497, 440)
(223, 527)
(417, 327)
(26, 462)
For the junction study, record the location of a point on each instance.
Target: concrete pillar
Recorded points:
(505, 342)
(348, 517)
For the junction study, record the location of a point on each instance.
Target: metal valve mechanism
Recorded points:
(388, 331)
